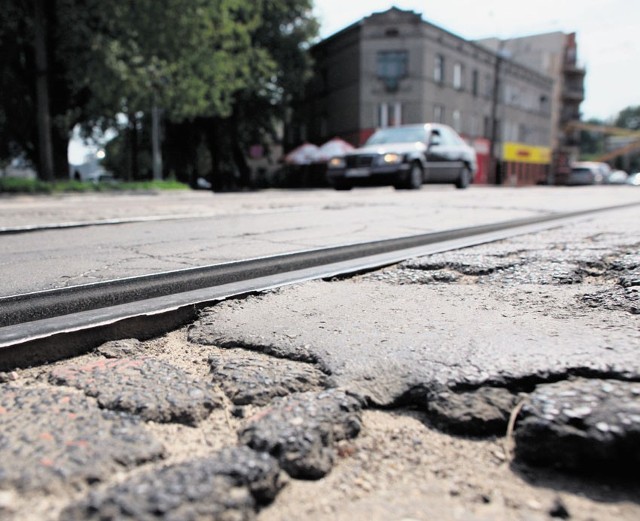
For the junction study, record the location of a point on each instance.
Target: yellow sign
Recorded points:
(519, 153)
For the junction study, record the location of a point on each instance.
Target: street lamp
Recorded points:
(495, 100)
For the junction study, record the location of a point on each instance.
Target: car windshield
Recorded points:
(398, 135)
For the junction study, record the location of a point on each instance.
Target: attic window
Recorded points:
(393, 32)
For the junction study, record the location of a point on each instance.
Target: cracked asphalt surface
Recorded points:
(499, 382)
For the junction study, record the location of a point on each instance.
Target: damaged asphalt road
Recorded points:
(466, 335)
(518, 359)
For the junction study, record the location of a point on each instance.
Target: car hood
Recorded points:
(398, 148)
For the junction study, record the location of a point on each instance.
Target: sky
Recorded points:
(607, 31)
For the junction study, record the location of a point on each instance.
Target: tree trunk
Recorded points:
(60, 142)
(45, 148)
(133, 142)
(239, 158)
(217, 184)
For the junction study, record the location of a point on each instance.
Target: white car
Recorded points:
(634, 179)
(618, 177)
(589, 173)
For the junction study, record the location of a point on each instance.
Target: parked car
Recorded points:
(618, 177)
(406, 156)
(589, 173)
(19, 167)
(634, 179)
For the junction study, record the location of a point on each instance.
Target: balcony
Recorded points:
(573, 93)
(573, 69)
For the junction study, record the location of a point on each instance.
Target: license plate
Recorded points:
(357, 172)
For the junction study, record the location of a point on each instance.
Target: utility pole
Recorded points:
(42, 95)
(495, 101)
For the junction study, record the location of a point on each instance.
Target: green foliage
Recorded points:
(236, 62)
(14, 185)
(9, 185)
(591, 143)
(629, 118)
(190, 56)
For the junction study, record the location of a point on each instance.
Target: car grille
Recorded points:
(360, 161)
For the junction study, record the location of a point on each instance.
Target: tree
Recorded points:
(29, 57)
(629, 118)
(17, 81)
(591, 142)
(275, 72)
(212, 65)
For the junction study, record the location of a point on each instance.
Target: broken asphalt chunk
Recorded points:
(479, 412)
(50, 439)
(124, 348)
(615, 299)
(586, 425)
(253, 378)
(300, 430)
(152, 389)
(229, 485)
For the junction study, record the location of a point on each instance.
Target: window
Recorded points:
(474, 83)
(487, 127)
(457, 118)
(391, 67)
(438, 114)
(510, 131)
(389, 114)
(488, 85)
(474, 125)
(438, 70)
(458, 76)
(523, 133)
(544, 103)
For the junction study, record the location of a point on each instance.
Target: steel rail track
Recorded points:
(48, 325)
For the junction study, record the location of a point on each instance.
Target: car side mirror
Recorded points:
(434, 140)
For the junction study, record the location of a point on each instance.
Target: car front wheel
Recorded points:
(465, 178)
(341, 184)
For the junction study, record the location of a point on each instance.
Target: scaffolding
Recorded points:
(615, 131)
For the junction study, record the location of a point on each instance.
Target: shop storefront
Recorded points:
(524, 165)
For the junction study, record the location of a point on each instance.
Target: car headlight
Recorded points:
(391, 159)
(336, 162)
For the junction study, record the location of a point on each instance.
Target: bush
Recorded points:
(12, 185)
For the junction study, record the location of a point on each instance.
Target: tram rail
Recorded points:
(48, 325)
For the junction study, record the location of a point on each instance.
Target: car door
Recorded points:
(436, 157)
(452, 162)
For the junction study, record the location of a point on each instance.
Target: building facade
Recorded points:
(395, 68)
(556, 55)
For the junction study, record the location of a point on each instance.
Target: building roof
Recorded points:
(412, 16)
